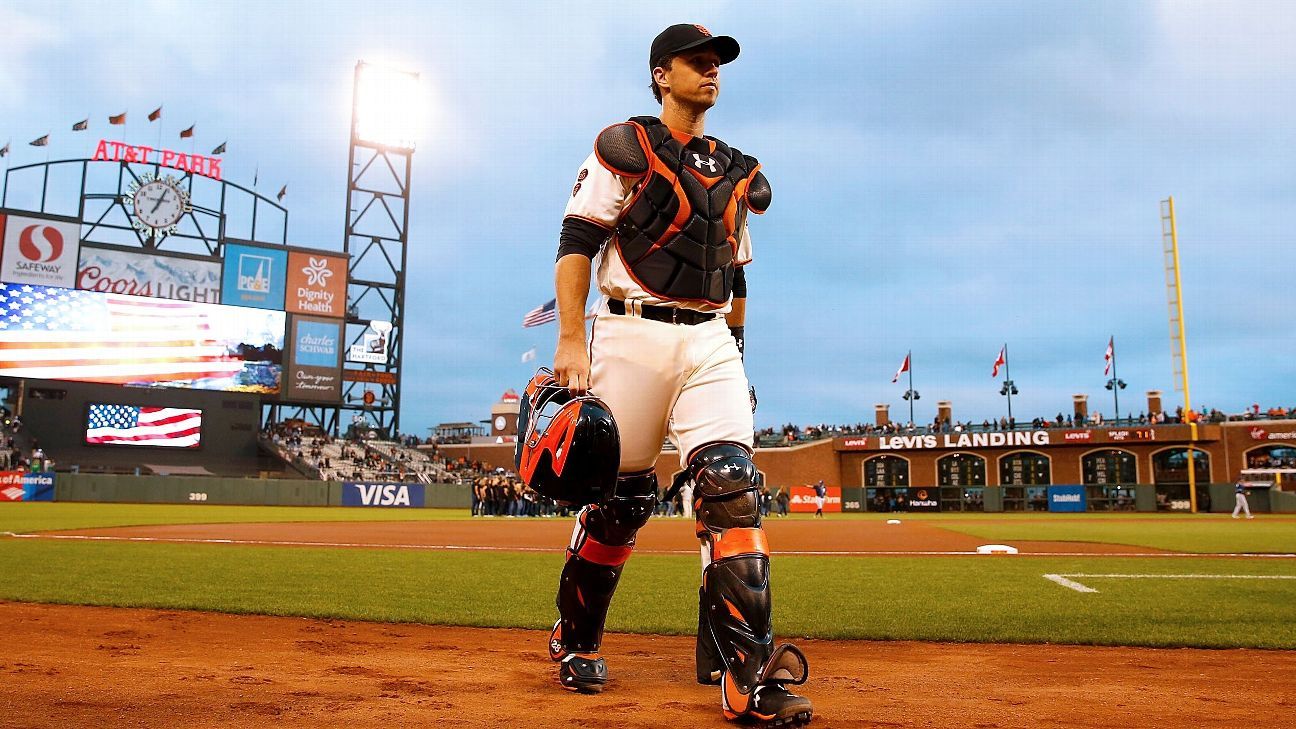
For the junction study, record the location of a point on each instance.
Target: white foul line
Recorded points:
(1072, 584)
(1069, 584)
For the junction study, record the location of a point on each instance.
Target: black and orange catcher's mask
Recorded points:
(568, 447)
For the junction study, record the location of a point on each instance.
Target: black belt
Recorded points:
(668, 314)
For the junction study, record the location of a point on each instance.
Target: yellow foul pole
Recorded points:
(1179, 341)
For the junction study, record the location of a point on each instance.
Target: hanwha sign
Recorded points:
(40, 251)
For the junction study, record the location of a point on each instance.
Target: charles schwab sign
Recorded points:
(115, 271)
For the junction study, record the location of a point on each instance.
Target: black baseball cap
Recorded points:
(687, 36)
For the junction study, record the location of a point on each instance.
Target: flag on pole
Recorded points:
(186, 133)
(1111, 352)
(592, 311)
(40, 141)
(541, 314)
(282, 191)
(81, 126)
(155, 114)
(220, 149)
(4, 151)
(117, 120)
(1000, 361)
(904, 367)
(529, 355)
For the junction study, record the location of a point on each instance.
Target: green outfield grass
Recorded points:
(996, 599)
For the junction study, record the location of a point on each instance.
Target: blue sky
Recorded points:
(948, 176)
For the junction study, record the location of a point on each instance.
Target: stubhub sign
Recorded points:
(382, 494)
(1066, 498)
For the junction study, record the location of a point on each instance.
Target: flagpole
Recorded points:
(909, 357)
(1115, 388)
(1008, 378)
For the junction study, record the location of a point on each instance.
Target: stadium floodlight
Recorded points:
(387, 106)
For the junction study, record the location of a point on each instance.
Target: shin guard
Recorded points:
(735, 634)
(601, 543)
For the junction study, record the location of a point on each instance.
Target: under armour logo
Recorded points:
(699, 162)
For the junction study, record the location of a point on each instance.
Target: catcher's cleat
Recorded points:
(584, 673)
(556, 650)
(774, 706)
(770, 703)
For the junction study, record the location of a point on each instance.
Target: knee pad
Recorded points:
(726, 486)
(616, 520)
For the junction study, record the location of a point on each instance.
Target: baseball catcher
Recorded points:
(659, 215)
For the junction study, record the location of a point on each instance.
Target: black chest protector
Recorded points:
(678, 235)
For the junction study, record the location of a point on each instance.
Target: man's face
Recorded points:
(693, 78)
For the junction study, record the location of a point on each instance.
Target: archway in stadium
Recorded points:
(962, 480)
(1025, 477)
(1109, 476)
(1279, 455)
(1170, 474)
(886, 482)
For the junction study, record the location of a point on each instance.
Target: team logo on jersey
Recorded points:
(575, 189)
(706, 164)
(583, 174)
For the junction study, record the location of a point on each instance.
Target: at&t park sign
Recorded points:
(198, 164)
(953, 440)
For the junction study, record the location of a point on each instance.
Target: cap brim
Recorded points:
(725, 46)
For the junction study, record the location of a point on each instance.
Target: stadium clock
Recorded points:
(157, 204)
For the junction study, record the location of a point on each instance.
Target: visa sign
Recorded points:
(382, 494)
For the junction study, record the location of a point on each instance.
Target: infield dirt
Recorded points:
(77, 666)
(660, 535)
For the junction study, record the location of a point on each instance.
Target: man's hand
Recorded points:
(571, 359)
(572, 364)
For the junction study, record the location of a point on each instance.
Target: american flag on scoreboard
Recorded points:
(131, 425)
(61, 334)
(541, 314)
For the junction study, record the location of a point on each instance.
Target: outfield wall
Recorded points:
(120, 488)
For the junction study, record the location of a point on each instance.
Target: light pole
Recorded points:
(1115, 384)
(911, 395)
(1009, 388)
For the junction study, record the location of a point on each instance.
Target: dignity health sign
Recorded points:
(316, 284)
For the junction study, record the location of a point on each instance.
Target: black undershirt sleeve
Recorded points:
(740, 283)
(581, 236)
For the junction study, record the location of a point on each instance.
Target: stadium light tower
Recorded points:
(387, 110)
(387, 106)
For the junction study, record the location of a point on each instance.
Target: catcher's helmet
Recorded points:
(568, 447)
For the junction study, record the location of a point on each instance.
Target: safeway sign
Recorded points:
(40, 251)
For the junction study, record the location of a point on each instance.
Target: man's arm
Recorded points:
(571, 285)
(737, 316)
